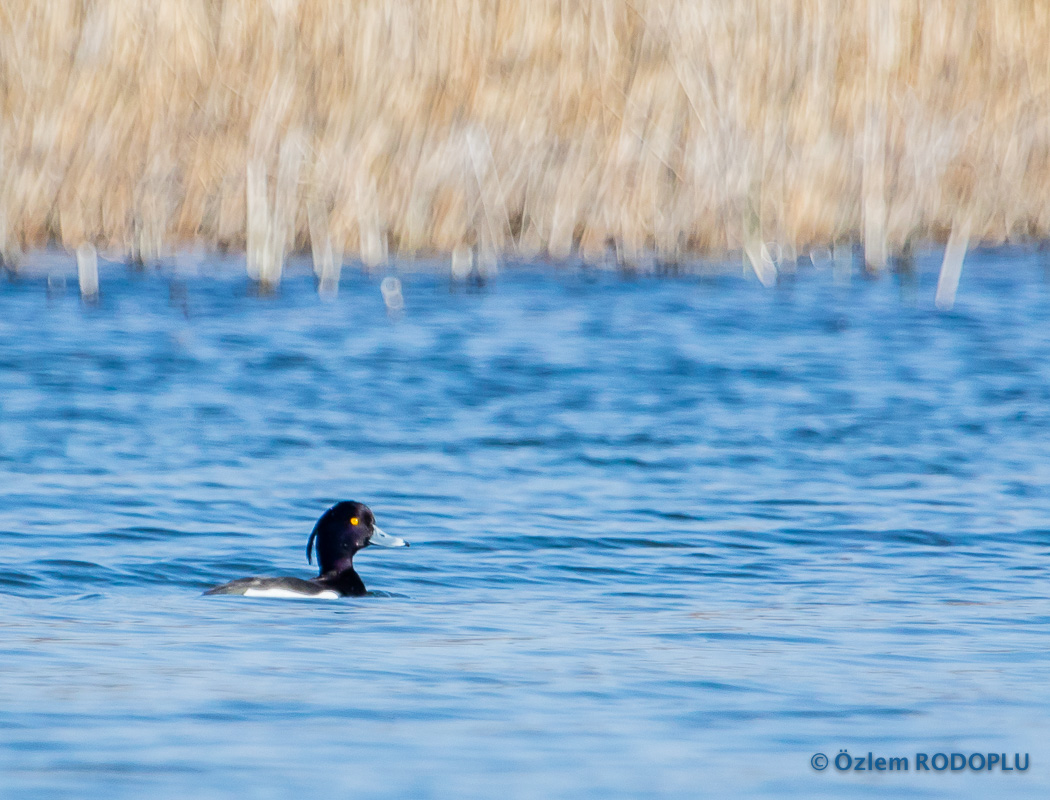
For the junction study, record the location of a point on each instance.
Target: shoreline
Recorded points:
(663, 129)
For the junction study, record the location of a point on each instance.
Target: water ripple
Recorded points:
(665, 533)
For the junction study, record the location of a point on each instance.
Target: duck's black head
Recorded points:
(341, 531)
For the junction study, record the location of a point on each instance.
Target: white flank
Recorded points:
(328, 594)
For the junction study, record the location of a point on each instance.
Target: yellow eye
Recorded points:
(353, 520)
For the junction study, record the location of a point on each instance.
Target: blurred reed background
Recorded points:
(658, 128)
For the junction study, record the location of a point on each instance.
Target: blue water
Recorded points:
(670, 537)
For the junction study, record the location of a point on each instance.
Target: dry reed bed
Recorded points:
(667, 127)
